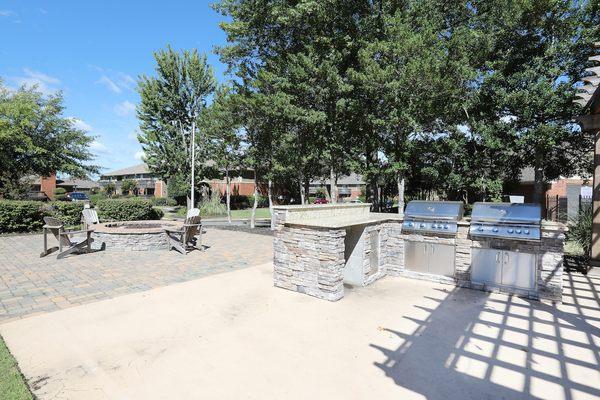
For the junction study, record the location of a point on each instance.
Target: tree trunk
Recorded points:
(306, 190)
(253, 216)
(401, 182)
(270, 193)
(302, 194)
(228, 194)
(333, 185)
(538, 185)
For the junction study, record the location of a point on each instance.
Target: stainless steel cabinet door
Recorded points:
(486, 266)
(518, 269)
(441, 259)
(415, 256)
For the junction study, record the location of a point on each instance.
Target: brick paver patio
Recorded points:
(31, 285)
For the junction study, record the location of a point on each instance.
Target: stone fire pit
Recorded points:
(134, 235)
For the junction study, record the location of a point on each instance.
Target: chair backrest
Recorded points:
(192, 212)
(90, 216)
(57, 228)
(193, 229)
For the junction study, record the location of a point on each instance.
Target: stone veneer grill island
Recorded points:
(318, 248)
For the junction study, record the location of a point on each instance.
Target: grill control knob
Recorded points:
(510, 230)
(495, 229)
(480, 228)
(518, 231)
(422, 226)
(526, 231)
(446, 226)
(410, 224)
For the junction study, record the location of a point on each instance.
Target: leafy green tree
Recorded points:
(224, 137)
(537, 52)
(128, 186)
(109, 189)
(171, 106)
(36, 139)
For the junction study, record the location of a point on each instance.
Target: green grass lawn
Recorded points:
(11, 382)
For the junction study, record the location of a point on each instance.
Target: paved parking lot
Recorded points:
(32, 285)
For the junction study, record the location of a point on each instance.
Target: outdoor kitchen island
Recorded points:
(318, 249)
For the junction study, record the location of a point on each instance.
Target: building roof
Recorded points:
(133, 170)
(79, 183)
(352, 179)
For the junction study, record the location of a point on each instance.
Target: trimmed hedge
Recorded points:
(69, 212)
(21, 216)
(163, 201)
(28, 216)
(127, 210)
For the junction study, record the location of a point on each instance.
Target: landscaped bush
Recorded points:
(163, 201)
(21, 216)
(580, 229)
(68, 212)
(127, 210)
(263, 201)
(237, 202)
(60, 193)
(213, 205)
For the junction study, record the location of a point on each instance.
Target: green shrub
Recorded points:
(127, 210)
(60, 193)
(163, 201)
(68, 212)
(263, 201)
(213, 205)
(580, 229)
(94, 198)
(21, 216)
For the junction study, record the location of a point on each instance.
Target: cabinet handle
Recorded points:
(432, 249)
(497, 257)
(506, 258)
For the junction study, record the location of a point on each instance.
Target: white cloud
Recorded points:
(79, 124)
(125, 108)
(98, 147)
(112, 86)
(7, 13)
(139, 155)
(45, 83)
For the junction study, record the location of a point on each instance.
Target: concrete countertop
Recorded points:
(338, 223)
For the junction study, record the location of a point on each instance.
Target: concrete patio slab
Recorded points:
(234, 336)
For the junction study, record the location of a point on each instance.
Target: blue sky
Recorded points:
(94, 52)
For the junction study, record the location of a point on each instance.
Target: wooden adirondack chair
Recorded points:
(65, 245)
(89, 218)
(184, 239)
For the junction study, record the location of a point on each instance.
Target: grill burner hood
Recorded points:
(516, 221)
(432, 216)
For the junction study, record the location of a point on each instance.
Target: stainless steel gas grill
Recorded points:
(514, 221)
(437, 217)
(432, 226)
(508, 235)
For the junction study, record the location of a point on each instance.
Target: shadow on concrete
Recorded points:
(469, 345)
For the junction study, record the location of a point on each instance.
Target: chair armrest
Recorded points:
(174, 230)
(74, 232)
(53, 226)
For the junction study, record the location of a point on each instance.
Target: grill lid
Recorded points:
(515, 213)
(437, 210)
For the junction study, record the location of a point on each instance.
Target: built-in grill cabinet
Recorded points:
(427, 220)
(430, 258)
(505, 231)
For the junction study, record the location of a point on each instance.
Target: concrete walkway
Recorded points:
(235, 336)
(33, 285)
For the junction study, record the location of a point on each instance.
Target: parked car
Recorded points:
(77, 196)
(320, 200)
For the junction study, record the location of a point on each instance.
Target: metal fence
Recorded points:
(557, 207)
